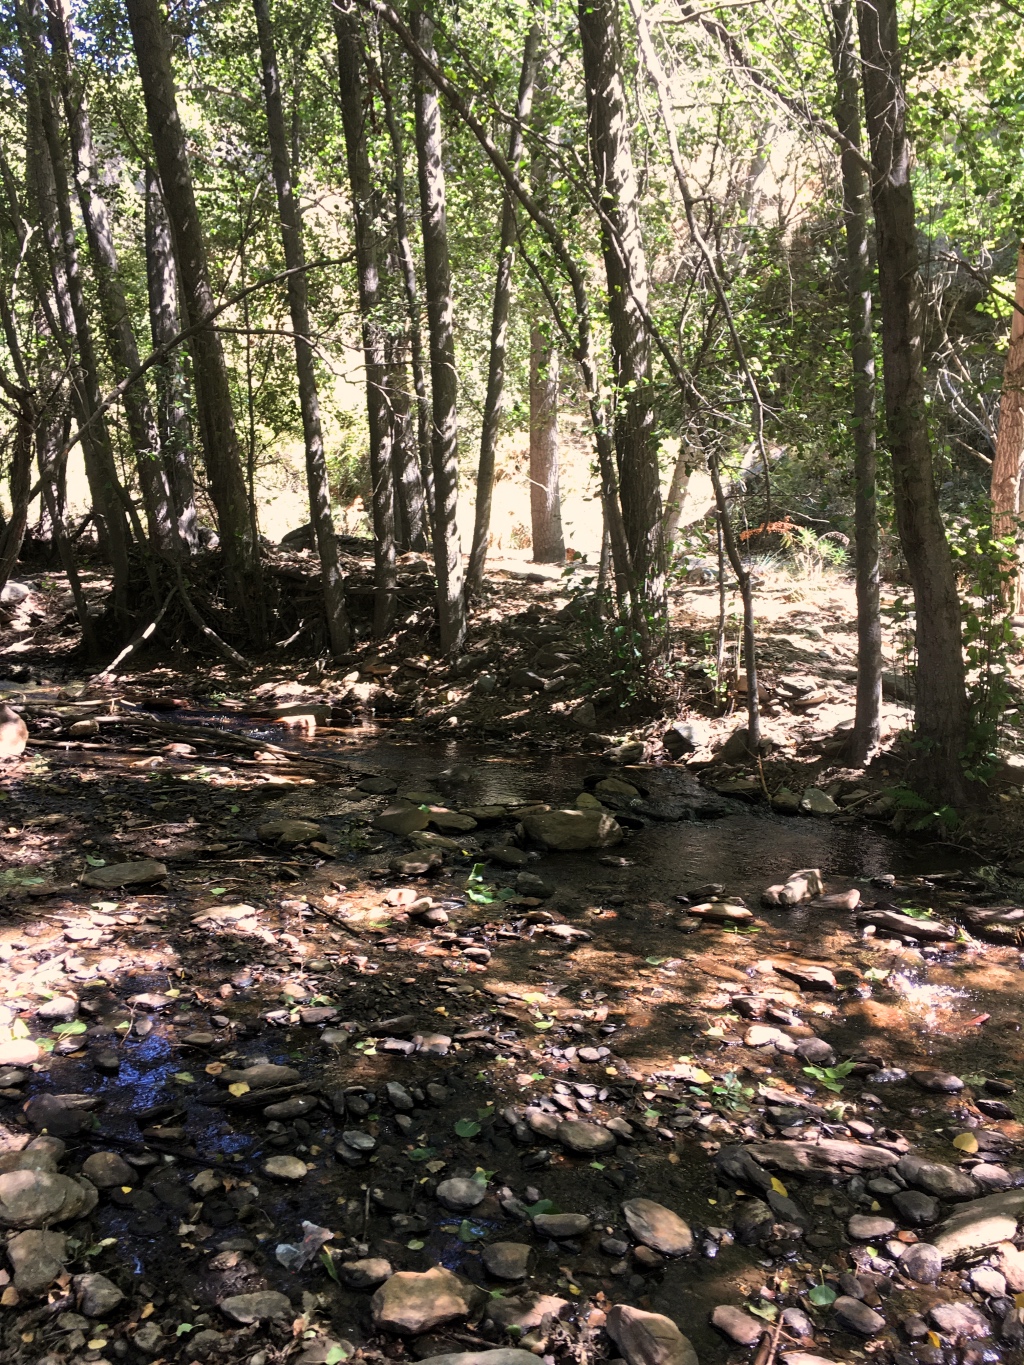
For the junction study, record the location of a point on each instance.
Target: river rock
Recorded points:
(832, 1155)
(60, 1008)
(960, 1320)
(562, 1225)
(36, 1258)
(945, 1182)
(365, 1274)
(33, 1199)
(987, 1280)
(915, 1207)
(289, 1168)
(809, 976)
(292, 1108)
(258, 1307)
(979, 1224)
(572, 830)
(585, 1139)
(921, 1262)
(738, 1326)
(857, 1317)
(96, 1295)
(815, 1051)
(19, 1052)
(107, 1170)
(648, 1338)
(507, 1260)
(529, 885)
(125, 874)
(940, 1082)
(261, 1076)
(460, 1194)
(680, 739)
(817, 802)
(288, 833)
(402, 820)
(1010, 1263)
(658, 1227)
(412, 1301)
(866, 1227)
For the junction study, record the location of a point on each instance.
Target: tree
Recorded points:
(940, 713)
(1008, 463)
(545, 498)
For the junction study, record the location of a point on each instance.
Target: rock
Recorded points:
(752, 1222)
(451, 820)
(786, 801)
(801, 886)
(419, 865)
(125, 874)
(96, 1295)
(866, 1227)
(529, 885)
(921, 1262)
(584, 717)
(987, 1280)
(648, 1338)
(402, 820)
(507, 1260)
(13, 730)
(508, 856)
(412, 1301)
(501, 1355)
(945, 1182)
(261, 1076)
(1010, 1262)
(764, 1035)
(19, 1052)
(721, 912)
(107, 1170)
(960, 1320)
(585, 1139)
(32, 1199)
(1012, 1329)
(292, 1108)
(906, 926)
(736, 748)
(817, 802)
(285, 1168)
(562, 1225)
(107, 1061)
(365, 1274)
(738, 1326)
(43, 1153)
(258, 1307)
(377, 786)
(809, 976)
(399, 1098)
(36, 1258)
(838, 900)
(857, 1317)
(916, 1208)
(150, 1340)
(680, 739)
(831, 1155)
(61, 1008)
(979, 1224)
(815, 1051)
(572, 830)
(937, 1081)
(658, 1227)
(288, 833)
(525, 1311)
(460, 1194)
(432, 1044)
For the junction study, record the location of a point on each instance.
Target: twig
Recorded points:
(142, 634)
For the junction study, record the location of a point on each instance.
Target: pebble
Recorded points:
(737, 1325)
(562, 1225)
(941, 1082)
(292, 1108)
(922, 1262)
(916, 1208)
(987, 1280)
(865, 1227)
(61, 1007)
(507, 1260)
(285, 1168)
(96, 1295)
(460, 1193)
(399, 1098)
(960, 1320)
(365, 1274)
(857, 1317)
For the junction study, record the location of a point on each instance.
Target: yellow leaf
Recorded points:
(700, 1077)
(97, 1343)
(215, 1068)
(875, 1206)
(965, 1142)
(779, 1188)
(147, 1312)
(126, 1189)
(934, 1338)
(1018, 1300)
(239, 1088)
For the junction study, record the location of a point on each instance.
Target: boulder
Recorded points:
(34, 1199)
(412, 1301)
(981, 1223)
(36, 1258)
(658, 1227)
(572, 830)
(648, 1338)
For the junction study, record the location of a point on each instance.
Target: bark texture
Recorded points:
(1008, 463)
(545, 498)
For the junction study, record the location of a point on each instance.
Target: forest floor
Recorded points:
(298, 1009)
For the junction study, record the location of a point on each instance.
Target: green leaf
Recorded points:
(336, 1355)
(415, 1245)
(469, 1233)
(327, 1261)
(95, 862)
(184, 1077)
(70, 1027)
(768, 1311)
(466, 1128)
(541, 1206)
(597, 1166)
(655, 961)
(822, 1295)
(184, 1327)
(422, 1153)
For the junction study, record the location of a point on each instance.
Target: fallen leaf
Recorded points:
(965, 1142)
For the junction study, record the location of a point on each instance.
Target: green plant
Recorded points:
(831, 1077)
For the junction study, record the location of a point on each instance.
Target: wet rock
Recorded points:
(524, 1312)
(658, 1227)
(680, 739)
(432, 1044)
(450, 820)
(411, 1301)
(754, 1220)
(1012, 1329)
(809, 976)
(857, 1317)
(508, 856)
(107, 1061)
(150, 1340)
(61, 1008)
(19, 1052)
(648, 1338)
(288, 833)
(261, 1076)
(545, 1125)
(399, 1098)
(365, 1274)
(288, 1168)
(13, 730)
(377, 786)
(922, 1262)
(646, 1259)
(798, 887)
(940, 1082)
(529, 885)
(979, 1224)
(738, 1164)
(258, 1307)
(32, 1199)
(572, 830)
(36, 1258)
(916, 1208)
(585, 1139)
(507, 1260)
(786, 801)
(125, 874)
(945, 1182)
(914, 1326)
(106, 1170)
(991, 1178)
(865, 1227)
(815, 1051)
(738, 1326)
(831, 1155)
(292, 1108)
(817, 802)
(562, 1225)
(1010, 1263)
(460, 1194)
(839, 900)
(50, 1114)
(419, 865)
(987, 1280)
(96, 1295)
(960, 1320)
(402, 820)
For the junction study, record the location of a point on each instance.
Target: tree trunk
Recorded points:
(20, 479)
(493, 401)
(608, 122)
(174, 419)
(545, 499)
(410, 512)
(1008, 464)
(941, 718)
(690, 457)
(117, 323)
(451, 604)
(867, 720)
(366, 211)
(332, 579)
(213, 391)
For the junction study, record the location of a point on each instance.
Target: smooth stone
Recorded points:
(857, 1317)
(986, 1280)
(817, 802)
(562, 1225)
(412, 1301)
(107, 1061)
(249, 1308)
(527, 884)
(737, 1325)
(815, 1051)
(572, 830)
(916, 1208)
(979, 1224)
(97, 1296)
(402, 820)
(945, 1182)
(461, 1193)
(648, 1338)
(658, 1227)
(525, 1311)
(288, 833)
(36, 1258)
(451, 821)
(292, 1108)
(261, 1076)
(399, 1098)
(19, 1052)
(939, 1082)
(543, 1124)
(832, 1155)
(43, 1153)
(960, 1320)
(364, 1274)
(921, 1262)
(107, 1170)
(865, 1227)
(61, 1007)
(31, 1198)
(585, 1139)
(125, 874)
(507, 1260)
(285, 1168)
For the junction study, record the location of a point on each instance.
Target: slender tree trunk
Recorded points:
(20, 478)
(213, 391)
(867, 720)
(545, 498)
(941, 718)
(49, 439)
(174, 419)
(608, 123)
(493, 402)
(451, 603)
(410, 512)
(298, 304)
(690, 457)
(117, 323)
(1008, 464)
(366, 212)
